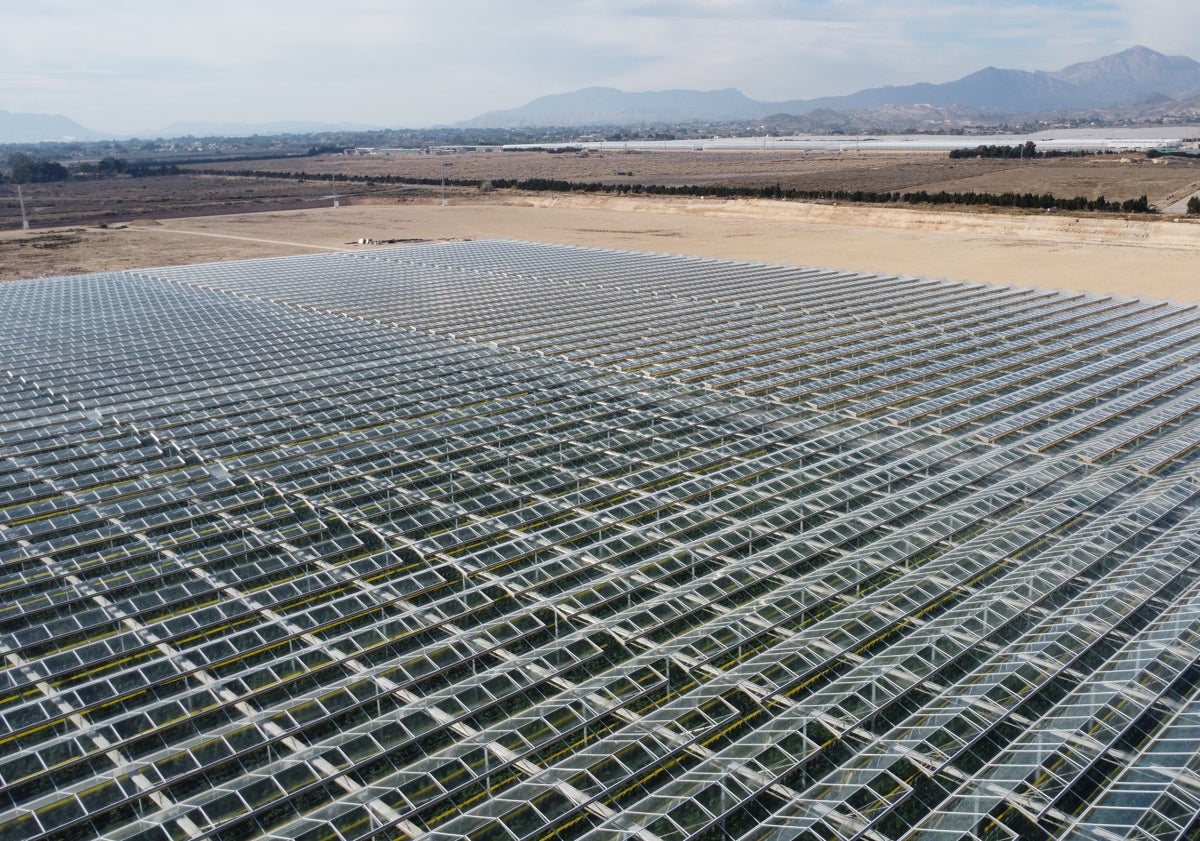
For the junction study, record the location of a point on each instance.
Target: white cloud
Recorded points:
(1169, 27)
(133, 64)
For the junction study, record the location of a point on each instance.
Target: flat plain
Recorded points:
(1116, 176)
(130, 223)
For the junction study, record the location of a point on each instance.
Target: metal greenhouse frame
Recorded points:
(500, 540)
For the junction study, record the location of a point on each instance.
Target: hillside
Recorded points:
(1114, 81)
(34, 128)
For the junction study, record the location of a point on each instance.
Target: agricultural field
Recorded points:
(1114, 176)
(118, 200)
(193, 217)
(222, 189)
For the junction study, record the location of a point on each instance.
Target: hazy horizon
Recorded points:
(131, 66)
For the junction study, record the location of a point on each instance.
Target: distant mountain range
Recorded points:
(1138, 84)
(35, 128)
(1124, 79)
(32, 128)
(609, 106)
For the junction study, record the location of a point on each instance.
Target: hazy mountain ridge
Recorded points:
(1107, 82)
(1137, 84)
(1134, 72)
(38, 128)
(33, 128)
(598, 105)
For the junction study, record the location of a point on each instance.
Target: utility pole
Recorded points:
(444, 165)
(24, 218)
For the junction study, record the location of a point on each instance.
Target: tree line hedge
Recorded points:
(27, 169)
(1021, 151)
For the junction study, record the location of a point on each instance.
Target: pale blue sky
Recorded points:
(135, 65)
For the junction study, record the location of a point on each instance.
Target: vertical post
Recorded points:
(444, 183)
(24, 218)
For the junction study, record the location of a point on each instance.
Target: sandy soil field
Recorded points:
(1130, 257)
(1115, 176)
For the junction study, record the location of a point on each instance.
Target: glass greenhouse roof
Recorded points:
(498, 540)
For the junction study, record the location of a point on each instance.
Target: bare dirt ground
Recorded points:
(88, 226)
(1114, 176)
(193, 193)
(1132, 257)
(113, 201)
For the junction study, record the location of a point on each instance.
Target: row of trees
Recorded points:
(26, 169)
(1043, 201)
(105, 167)
(29, 169)
(1024, 150)
(146, 169)
(1028, 149)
